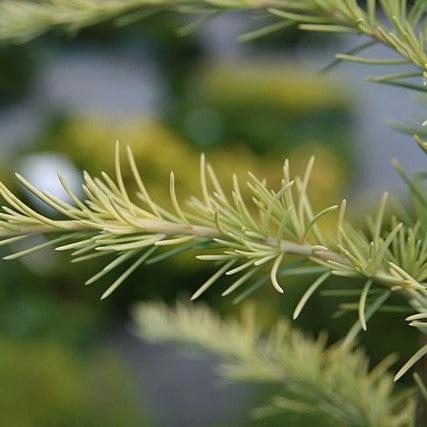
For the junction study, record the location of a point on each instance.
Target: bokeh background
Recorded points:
(67, 359)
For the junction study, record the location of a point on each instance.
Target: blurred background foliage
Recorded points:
(58, 357)
(15, 80)
(46, 384)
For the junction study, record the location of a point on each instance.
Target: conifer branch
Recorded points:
(263, 239)
(21, 20)
(278, 225)
(333, 383)
(110, 222)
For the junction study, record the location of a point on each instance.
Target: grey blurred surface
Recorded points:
(181, 387)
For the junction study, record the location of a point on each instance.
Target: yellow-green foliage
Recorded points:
(290, 88)
(159, 150)
(44, 384)
(334, 383)
(393, 258)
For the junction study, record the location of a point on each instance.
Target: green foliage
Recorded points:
(279, 232)
(43, 384)
(80, 139)
(306, 377)
(263, 105)
(15, 77)
(24, 19)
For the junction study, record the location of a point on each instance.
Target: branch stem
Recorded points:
(172, 229)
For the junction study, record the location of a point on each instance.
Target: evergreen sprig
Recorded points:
(277, 234)
(332, 383)
(403, 32)
(281, 225)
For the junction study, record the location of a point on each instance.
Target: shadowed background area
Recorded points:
(68, 359)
